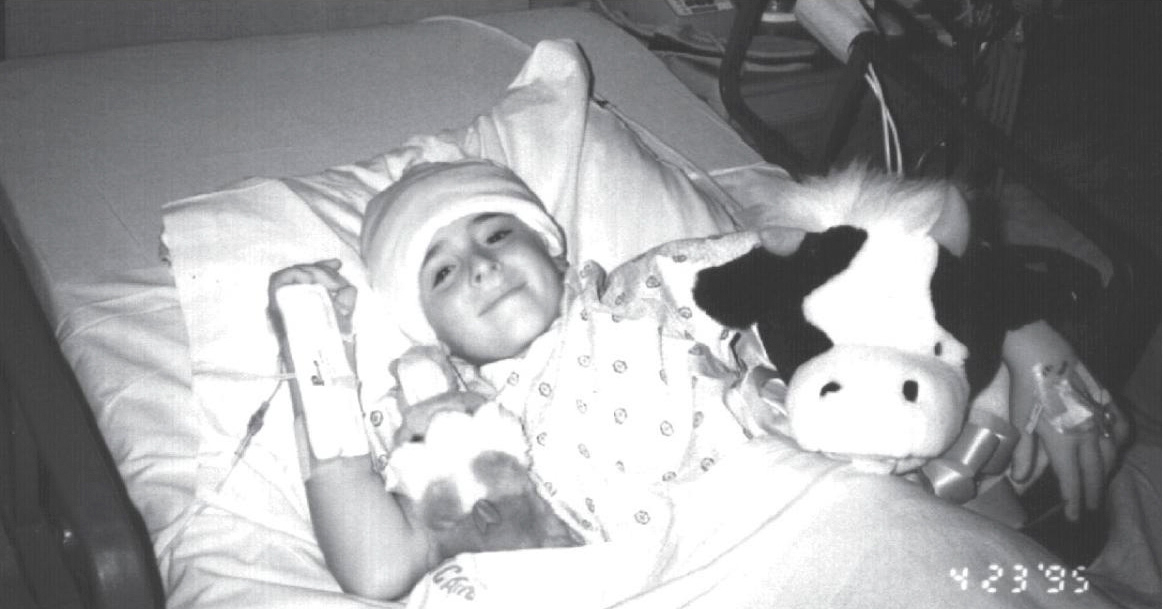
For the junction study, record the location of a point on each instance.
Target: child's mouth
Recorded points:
(500, 298)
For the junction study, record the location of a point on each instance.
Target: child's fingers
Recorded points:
(1093, 472)
(1109, 450)
(1120, 425)
(1113, 436)
(299, 274)
(320, 274)
(1062, 460)
(1023, 396)
(326, 276)
(290, 276)
(344, 299)
(285, 277)
(1022, 461)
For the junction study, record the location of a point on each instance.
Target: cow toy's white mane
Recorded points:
(869, 199)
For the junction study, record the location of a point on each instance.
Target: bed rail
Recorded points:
(77, 537)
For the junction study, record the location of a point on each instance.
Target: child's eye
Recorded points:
(498, 235)
(441, 274)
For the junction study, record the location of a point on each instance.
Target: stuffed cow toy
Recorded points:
(886, 322)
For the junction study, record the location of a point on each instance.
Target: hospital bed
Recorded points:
(250, 134)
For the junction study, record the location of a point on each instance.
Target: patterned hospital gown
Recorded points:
(625, 394)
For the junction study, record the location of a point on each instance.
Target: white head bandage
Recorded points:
(399, 224)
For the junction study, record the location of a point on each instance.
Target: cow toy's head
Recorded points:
(876, 327)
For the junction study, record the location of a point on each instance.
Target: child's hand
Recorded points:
(1048, 377)
(326, 274)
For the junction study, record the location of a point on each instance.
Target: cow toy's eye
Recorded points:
(938, 349)
(829, 387)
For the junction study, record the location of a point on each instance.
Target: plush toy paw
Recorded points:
(445, 457)
(512, 517)
(462, 463)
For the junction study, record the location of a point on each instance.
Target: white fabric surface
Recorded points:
(801, 530)
(128, 345)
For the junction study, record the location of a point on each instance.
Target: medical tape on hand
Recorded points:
(326, 390)
(1066, 409)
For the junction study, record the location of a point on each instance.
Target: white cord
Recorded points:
(199, 504)
(893, 157)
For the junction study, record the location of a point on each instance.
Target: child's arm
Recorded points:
(371, 545)
(1039, 360)
(368, 539)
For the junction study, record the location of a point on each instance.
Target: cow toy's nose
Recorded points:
(868, 400)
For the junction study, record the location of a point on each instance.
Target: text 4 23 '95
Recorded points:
(1017, 579)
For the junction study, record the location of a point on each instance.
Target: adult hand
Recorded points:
(1060, 408)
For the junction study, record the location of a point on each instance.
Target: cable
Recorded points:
(253, 425)
(893, 156)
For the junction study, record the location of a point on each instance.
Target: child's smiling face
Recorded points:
(488, 286)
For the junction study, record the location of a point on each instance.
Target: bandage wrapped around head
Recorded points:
(399, 224)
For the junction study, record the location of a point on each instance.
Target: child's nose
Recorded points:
(484, 269)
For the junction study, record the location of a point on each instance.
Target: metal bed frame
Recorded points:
(62, 502)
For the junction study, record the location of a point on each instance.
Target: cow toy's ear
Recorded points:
(735, 294)
(953, 226)
(788, 337)
(740, 292)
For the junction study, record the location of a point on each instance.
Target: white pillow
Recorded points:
(590, 167)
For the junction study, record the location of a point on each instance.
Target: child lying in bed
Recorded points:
(618, 381)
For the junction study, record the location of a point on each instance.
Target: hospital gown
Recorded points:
(624, 395)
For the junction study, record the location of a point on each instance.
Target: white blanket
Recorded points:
(772, 526)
